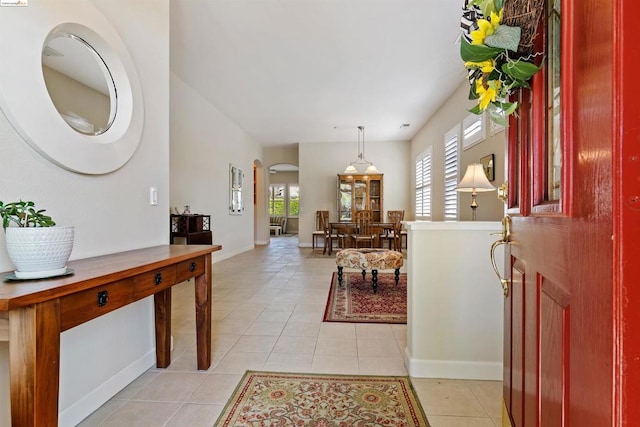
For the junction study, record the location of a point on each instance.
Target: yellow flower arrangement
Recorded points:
(489, 50)
(486, 28)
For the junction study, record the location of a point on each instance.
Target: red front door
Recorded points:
(572, 326)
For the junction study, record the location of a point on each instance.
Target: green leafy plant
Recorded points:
(489, 50)
(24, 214)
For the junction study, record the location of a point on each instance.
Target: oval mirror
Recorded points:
(79, 83)
(26, 99)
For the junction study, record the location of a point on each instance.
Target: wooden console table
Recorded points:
(38, 311)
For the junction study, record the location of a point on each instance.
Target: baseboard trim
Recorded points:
(81, 409)
(453, 369)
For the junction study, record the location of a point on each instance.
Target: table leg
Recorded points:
(162, 303)
(374, 274)
(34, 360)
(339, 275)
(203, 315)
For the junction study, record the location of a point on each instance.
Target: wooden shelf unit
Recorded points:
(359, 192)
(196, 229)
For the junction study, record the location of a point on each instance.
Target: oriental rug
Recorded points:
(355, 301)
(322, 400)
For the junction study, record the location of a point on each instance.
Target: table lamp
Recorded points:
(474, 181)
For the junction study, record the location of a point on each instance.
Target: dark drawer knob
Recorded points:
(192, 267)
(157, 279)
(103, 298)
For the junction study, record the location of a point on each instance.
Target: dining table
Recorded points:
(345, 231)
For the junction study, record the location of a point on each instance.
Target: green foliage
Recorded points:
(276, 207)
(505, 37)
(294, 207)
(477, 52)
(24, 214)
(520, 70)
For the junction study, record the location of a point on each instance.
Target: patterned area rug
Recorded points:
(355, 301)
(280, 399)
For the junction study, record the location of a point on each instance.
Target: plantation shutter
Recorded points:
(473, 130)
(451, 175)
(423, 185)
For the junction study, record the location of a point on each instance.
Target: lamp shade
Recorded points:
(351, 169)
(474, 180)
(372, 169)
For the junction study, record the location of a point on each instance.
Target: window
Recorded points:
(451, 175)
(294, 200)
(284, 199)
(473, 131)
(276, 199)
(423, 185)
(554, 103)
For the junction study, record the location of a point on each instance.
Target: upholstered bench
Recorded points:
(369, 259)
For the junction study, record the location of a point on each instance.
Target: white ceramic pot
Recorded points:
(39, 252)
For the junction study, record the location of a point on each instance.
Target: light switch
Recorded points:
(153, 196)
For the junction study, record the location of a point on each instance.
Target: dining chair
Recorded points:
(329, 235)
(364, 232)
(394, 236)
(319, 231)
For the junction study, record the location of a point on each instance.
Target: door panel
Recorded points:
(516, 378)
(554, 340)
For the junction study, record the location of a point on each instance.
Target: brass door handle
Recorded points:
(504, 282)
(506, 239)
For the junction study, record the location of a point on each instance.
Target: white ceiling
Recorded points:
(289, 71)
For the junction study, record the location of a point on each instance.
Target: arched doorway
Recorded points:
(283, 192)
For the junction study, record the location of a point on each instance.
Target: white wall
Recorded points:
(320, 164)
(111, 213)
(203, 143)
(454, 301)
(450, 114)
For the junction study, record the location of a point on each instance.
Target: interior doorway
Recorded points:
(284, 196)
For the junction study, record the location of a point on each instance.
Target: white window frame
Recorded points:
(451, 174)
(272, 199)
(289, 214)
(286, 194)
(474, 130)
(424, 190)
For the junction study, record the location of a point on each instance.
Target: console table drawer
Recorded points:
(188, 269)
(83, 306)
(149, 283)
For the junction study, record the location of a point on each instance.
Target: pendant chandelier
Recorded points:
(361, 162)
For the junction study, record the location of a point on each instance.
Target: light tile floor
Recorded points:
(268, 305)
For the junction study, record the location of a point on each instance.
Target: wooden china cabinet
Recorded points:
(359, 192)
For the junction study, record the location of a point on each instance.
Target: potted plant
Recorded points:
(35, 245)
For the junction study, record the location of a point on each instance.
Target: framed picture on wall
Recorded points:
(236, 204)
(488, 163)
